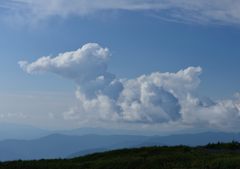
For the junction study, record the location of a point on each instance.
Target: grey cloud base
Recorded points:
(155, 99)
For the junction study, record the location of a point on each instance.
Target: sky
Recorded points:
(158, 65)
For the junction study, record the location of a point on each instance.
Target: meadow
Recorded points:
(211, 156)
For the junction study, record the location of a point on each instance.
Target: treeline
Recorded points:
(211, 156)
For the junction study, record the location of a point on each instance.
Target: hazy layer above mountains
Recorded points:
(19, 131)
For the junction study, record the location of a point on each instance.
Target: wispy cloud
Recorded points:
(200, 11)
(154, 99)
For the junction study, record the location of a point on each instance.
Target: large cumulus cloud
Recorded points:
(157, 98)
(86, 66)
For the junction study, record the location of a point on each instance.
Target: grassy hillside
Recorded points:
(212, 156)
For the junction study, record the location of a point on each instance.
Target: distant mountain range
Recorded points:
(27, 132)
(65, 146)
(62, 146)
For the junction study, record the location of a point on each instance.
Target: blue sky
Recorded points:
(140, 38)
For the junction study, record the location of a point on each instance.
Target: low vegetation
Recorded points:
(211, 156)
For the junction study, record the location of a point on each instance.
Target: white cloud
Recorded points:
(155, 99)
(202, 11)
(86, 66)
(222, 114)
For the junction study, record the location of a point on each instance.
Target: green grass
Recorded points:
(211, 156)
